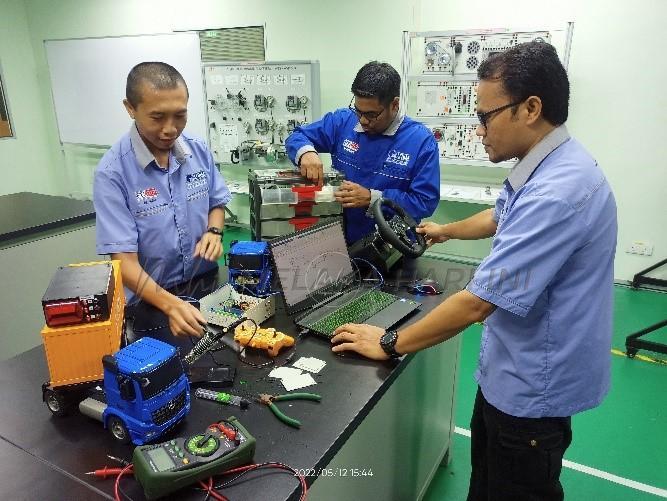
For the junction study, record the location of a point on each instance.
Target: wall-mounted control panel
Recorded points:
(252, 108)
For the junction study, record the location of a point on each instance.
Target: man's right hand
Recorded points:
(433, 232)
(312, 168)
(184, 319)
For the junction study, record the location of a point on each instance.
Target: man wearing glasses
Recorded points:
(381, 152)
(544, 293)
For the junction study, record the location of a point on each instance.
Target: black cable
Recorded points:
(150, 329)
(166, 326)
(120, 489)
(255, 467)
(242, 350)
(211, 352)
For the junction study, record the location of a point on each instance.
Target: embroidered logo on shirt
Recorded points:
(350, 146)
(147, 196)
(195, 180)
(398, 157)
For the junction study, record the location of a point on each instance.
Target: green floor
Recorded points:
(626, 436)
(232, 233)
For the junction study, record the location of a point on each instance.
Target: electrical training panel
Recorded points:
(443, 74)
(253, 107)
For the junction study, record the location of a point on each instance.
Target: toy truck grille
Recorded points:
(169, 410)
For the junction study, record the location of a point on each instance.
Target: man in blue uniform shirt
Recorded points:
(381, 152)
(545, 292)
(159, 199)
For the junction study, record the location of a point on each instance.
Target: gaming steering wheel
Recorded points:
(400, 231)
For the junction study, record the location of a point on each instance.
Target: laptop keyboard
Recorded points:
(356, 311)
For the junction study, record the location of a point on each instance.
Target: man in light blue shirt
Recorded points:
(159, 199)
(544, 292)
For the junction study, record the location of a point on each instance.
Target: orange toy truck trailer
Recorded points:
(74, 352)
(143, 388)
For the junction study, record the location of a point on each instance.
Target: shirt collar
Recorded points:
(391, 130)
(180, 150)
(524, 168)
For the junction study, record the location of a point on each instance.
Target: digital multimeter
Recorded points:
(168, 466)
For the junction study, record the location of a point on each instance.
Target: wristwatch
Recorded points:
(388, 343)
(214, 230)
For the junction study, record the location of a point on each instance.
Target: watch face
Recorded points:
(388, 341)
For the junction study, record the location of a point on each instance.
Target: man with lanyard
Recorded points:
(159, 199)
(381, 152)
(545, 292)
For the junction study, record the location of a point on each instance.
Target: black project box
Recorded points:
(79, 294)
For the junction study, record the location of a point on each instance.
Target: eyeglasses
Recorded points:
(371, 116)
(484, 117)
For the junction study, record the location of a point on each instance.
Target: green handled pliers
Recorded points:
(269, 399)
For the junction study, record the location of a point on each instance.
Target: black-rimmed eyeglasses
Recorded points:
(371, 116)
(484, 117)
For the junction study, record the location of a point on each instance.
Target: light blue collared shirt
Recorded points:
(158, 213)
(545, 350)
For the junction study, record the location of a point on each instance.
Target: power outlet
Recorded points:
(640, 248)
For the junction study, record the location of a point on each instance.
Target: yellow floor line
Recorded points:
(643, 358)
(632, 484)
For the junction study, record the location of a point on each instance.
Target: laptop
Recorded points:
(324, 288)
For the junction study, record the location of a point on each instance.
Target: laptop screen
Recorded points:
(311, 263)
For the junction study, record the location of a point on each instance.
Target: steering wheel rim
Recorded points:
(388, 233)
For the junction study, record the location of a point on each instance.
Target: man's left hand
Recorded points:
(361, 338)
(209, 247)
(352, 195)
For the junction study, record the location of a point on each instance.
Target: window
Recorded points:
(5, 125)
(232, 44)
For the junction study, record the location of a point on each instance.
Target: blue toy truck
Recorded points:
(249, 267)
(146, 392)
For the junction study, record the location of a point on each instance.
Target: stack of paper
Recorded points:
(310, 364)
(292, 379)
(486, 193)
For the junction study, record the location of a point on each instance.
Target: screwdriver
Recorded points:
(222, 397)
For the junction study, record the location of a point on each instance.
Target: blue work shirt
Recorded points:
(545, 350)
(401, 164)
(158, 213)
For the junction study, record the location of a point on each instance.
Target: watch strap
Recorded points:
(388, 343)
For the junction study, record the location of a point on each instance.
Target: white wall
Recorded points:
(342, 39)
(616, 69)
(25, 160)
(618, 102)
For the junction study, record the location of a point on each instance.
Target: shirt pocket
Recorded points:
(343, 161)
(394, 176)
(154, 210)
(201, 193)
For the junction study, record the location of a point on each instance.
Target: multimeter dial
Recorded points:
(193, 446)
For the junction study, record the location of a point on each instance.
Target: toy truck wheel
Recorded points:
(56, 403)
(118, 430)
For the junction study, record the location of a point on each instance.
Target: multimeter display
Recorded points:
(168, 466)
(160, 459)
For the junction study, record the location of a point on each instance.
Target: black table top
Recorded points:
(27, 477)
(350, 386)
(25, 214)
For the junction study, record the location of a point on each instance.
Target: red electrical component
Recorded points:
(67, 312)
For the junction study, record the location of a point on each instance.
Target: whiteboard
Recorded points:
(88, 79)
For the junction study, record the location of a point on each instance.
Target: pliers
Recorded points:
(269, 399)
